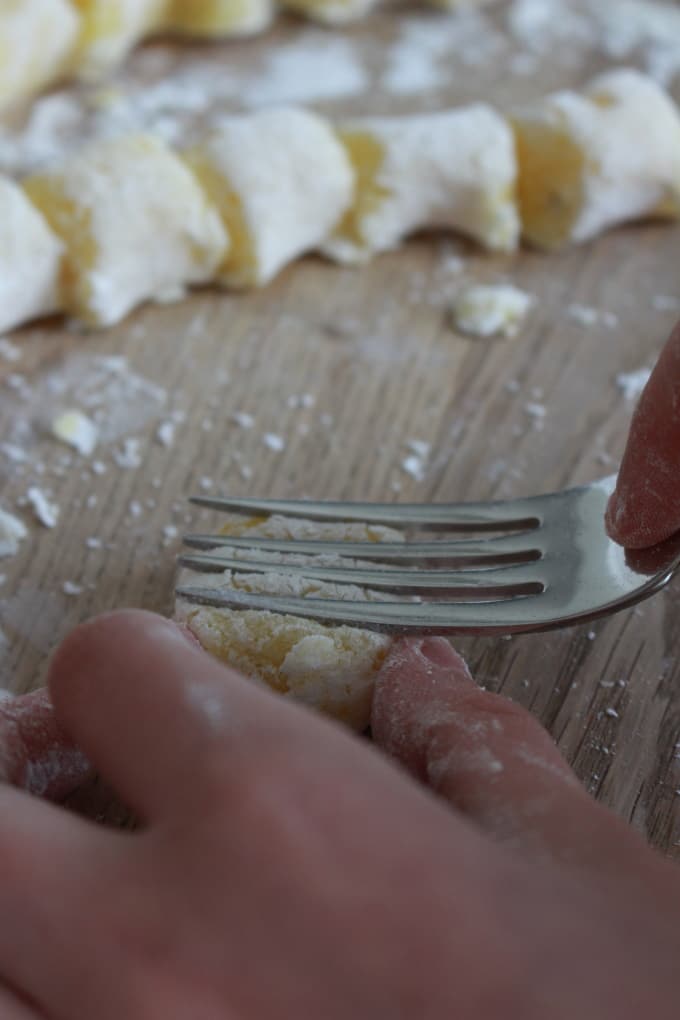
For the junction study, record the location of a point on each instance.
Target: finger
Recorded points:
(645, 506)
(150, 708)
(486, 756)
(14, 1005)
(50, 864)
(35, 753)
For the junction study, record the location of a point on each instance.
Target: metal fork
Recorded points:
(550, 564)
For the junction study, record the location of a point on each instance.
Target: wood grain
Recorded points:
(375, 349)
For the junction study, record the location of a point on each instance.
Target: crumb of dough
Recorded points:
(77, 430)
(486, 310)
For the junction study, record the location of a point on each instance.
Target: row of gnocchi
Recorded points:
(127, 220)
(44, 41)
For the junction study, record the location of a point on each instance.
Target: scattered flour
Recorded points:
(632, 384)
(12, 533)
(46, 512)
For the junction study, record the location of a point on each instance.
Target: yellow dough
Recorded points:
(218, 18)
(332, 669)
(135, 223)
(593, 159)
(455, 169)
(110, 29)
(281, 181)
(36, 41)
(30, 259)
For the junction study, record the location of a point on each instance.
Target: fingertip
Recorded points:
(72, 666)
(417, 679)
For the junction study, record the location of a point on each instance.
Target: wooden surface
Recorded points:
(375, 350)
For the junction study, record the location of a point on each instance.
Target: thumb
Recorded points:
(645, 506)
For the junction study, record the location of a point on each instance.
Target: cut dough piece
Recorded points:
(219, 18)
(332, 669)
(36, 41)
(455, 169)
(331, 12)
(135, 223)
(592, 160)
(281, 181)
(30, 259)
(110, 30)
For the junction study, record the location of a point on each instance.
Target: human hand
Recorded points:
(287, 869)
(35, 753)
(645, 507)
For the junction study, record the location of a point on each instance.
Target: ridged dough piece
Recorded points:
(110, 29)
(331, 12)
(36, 41)
(30, 258)
(589, 161)
(281, 181)
(218, 18)
(135, 223)
(455, 170)
(332, 669)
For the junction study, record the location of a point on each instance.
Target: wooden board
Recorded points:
(375, 350)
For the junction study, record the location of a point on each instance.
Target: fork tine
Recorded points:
(499, 515)
(515, 547)
(472, 616)
(515, 579)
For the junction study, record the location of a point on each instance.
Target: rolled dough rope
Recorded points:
(109, 31)
(281, 181)
(332, 669)
(30, 260)
(36, 42)
(215, 19)
(135, 225)
(455, 169)
(593, 159)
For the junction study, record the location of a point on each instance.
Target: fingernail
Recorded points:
(439, 651)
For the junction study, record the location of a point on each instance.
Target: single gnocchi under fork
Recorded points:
(535, 564)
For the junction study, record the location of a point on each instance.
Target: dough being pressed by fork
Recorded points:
(330, 668)
(135, 223)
